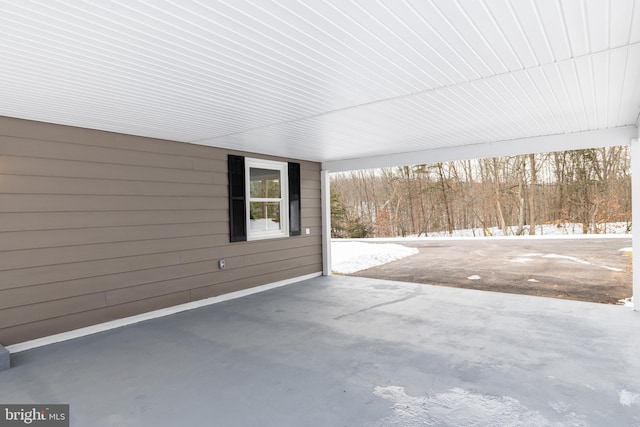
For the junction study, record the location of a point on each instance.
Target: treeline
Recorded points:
(516, 194)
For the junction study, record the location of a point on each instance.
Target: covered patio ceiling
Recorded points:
(330, 80)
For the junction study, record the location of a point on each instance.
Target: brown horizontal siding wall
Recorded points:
(96, 226)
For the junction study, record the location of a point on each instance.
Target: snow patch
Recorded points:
(474, 277)
(521, 260)
(627, 398)
(264, 224)
(349, 257)
(458, 407)
(566, 257)
(627, 302)
(533, 281)
(570, 258)
(611, 268)
(612, 229)
(560, 406)
(626, 250)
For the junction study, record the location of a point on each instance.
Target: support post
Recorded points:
(635, 219)
(325, 194)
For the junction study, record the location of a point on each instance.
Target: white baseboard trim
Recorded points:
(101, 327)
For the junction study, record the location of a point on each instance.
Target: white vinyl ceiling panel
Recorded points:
(323, 80)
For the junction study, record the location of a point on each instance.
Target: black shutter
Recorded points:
(295, 228)
(237, 205)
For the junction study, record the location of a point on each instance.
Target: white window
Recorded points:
(267, 199)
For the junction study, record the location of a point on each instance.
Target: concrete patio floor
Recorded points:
(345, 351)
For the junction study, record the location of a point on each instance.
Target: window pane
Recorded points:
(265, 216)
(265, 183)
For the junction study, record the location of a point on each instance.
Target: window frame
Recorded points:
(283, 200)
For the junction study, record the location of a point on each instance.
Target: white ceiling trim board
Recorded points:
(622, 135)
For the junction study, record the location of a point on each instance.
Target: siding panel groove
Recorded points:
(22, 184)
(34, 166)
(33, 221)
(87, 203)
(46, 149)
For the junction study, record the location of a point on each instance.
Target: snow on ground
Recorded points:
(465, 408)
(566, 229)
(546, 231)
(628, 397)
(349, 257)
(627, 302)
(578, 260)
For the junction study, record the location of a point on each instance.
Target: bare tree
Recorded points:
(590, 187)
(532, 194)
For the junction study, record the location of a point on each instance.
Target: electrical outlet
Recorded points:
(221, 264)
(307, 231)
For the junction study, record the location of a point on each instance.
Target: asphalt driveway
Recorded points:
(585, 269)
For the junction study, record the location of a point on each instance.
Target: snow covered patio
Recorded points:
(344, 351)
